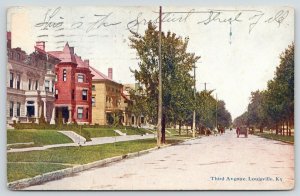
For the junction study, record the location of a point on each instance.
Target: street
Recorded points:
(209, 163)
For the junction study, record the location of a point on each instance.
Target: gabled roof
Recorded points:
(98, 75)
(66, 56)
(80, 62)
(44, 52)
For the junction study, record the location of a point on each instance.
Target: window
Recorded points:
(56, 77)
(36, 85)
(49, 66)
(56, 94)
(52, 86)
(11, 80)
(93, 88)
(18, 108)
(64, 75)
(29, 84)
(18, 57)
(87, 113)
(73, 94)
(18, 81)
(79, 113)
(80, 78)
(84, 94)
(93, 102)
(11, 109)
(47, 84)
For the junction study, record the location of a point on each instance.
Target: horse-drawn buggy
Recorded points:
(243, 130)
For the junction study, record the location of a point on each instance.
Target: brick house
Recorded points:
(73, 87)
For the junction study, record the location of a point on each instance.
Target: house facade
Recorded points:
(30, 84)
(131, 118)
(106, 97)
(73, 87)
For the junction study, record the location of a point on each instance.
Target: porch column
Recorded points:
(36, 111)
(45, 109)
(70, 115)
(52, 122)
(25, 110)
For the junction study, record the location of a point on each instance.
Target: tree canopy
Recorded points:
(274, 107)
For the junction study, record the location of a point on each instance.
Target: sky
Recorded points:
(239, 46)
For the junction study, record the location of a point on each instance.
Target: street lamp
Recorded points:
(216, 111)
(159, 125)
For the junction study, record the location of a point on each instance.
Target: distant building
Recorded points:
(132, 118)
(30, 83)
(73, 87)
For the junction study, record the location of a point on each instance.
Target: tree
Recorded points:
(205, 110)
(256, 113)
(274, 107)
(177, 81)
(224, 117)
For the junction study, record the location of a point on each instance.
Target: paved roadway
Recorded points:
(215, 162)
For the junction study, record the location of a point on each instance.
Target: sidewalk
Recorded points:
(95, 141)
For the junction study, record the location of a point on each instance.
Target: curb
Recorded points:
(55, 175)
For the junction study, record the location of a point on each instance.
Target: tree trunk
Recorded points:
(180, 127)
(288, 132)
(163, 129)
(282, 129)
(276, 128)
(187, 130)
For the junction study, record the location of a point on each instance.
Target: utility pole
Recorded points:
(205, 84)
(216, 111)
(194, 113)
(159, 125)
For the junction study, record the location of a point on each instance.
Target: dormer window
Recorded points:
(18, 57)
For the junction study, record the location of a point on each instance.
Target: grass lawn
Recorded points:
(109, 131)
(29, 164)
(17, 171)
(38, 137)
(172, 132)
(273, 136)
(135, 131)
(101, 132)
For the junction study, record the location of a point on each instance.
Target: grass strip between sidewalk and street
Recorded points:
(29, 164)
(282, 138)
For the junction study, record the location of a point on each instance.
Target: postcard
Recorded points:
(150, 98)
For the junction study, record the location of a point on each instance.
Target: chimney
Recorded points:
(72, 50)
(40, 45)
(86, 61)
(110, 73)
(8, 35)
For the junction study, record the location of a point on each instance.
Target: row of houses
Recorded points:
(61, 83)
